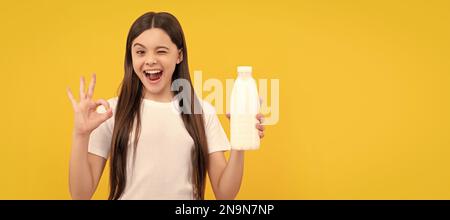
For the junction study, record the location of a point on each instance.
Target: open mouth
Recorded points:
(153, 75)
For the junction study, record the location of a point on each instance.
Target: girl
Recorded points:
(156, 151)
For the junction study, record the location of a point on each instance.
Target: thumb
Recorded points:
(101, 117)
(108, 114)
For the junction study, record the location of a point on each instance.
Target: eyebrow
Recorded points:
(138, 44)
(158, 47)
(164, 47)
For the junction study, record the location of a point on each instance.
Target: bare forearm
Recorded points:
(80, 176)
(231, 178)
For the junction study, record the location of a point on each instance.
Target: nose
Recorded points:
(150, 61)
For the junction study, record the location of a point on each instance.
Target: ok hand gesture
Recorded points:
(86, 117)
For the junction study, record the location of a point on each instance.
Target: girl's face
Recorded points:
(154, 59)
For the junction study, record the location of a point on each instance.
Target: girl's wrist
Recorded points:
(80, 135)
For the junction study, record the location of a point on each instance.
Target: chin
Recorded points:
(154, 89)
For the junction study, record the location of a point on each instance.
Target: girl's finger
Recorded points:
(260, 117)
(104, 108)
(103, 116)
(260, 127)
(82, 94)
(72, 99)
(228, 115)
(107, 115)
(261, 134)
(104, 103)
(100, 118)
(91, 86)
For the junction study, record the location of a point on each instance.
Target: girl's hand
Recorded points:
(258, 125)
(86, 117)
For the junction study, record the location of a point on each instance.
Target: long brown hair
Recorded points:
(128, 114)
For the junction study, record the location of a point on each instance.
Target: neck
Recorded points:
(164, 96)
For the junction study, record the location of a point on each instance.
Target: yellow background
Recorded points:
(364, 90)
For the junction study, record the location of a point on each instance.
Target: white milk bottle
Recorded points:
(244, 106)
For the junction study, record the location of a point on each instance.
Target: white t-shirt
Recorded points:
(162, 167)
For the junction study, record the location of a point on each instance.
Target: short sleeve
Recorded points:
(100, 139)
(215, 135)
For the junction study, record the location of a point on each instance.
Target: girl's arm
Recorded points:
(226, 177)
(85, 169)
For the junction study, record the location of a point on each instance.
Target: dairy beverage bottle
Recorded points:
(244, 105)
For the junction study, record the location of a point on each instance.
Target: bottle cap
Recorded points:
(244, 69)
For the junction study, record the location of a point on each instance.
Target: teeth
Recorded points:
(152, 71)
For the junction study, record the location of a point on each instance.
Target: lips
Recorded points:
(153, 75)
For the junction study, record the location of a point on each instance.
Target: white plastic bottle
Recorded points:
(244, 107)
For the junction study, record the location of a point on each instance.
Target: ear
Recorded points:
(180, 56)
